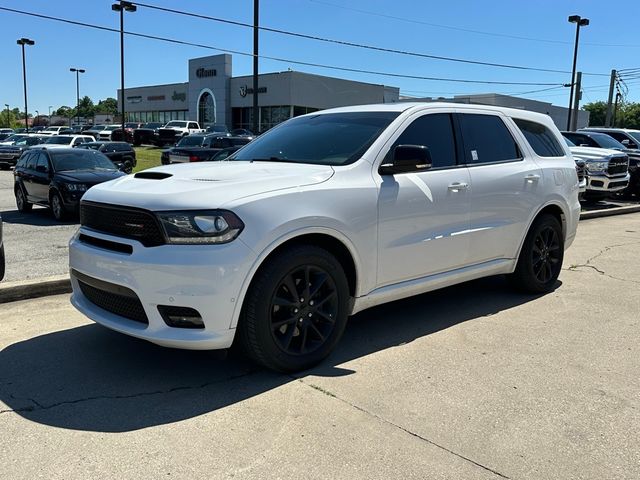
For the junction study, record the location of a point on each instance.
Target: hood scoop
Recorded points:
(205, 179)
(153, 175)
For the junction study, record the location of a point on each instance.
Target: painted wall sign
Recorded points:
(154, 98)
(134, 99)
(206, 72)
(245, 90)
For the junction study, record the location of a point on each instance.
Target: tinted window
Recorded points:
(540, 138)
(191, 141)
(621, 136)
(121, 147)
(22, 161)
(578, 139)
(434, 132)
(487, 139)
(323, 139)
(31, 160)
(42, 162)
(193, 125)
(238, 141)
(81, 159)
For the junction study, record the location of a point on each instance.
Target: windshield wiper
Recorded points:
(270, 159)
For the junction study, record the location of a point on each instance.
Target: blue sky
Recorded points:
(430, 27)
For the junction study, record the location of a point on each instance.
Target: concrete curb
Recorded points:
(609, 212)
(39, 287)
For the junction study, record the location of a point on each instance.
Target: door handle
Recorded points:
(458, 186)
(532, 177)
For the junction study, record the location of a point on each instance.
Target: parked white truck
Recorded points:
(176, 129)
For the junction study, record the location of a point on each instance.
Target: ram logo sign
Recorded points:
(182, 96)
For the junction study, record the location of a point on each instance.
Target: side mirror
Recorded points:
(584, 144)
(626, 143)
(406, 159)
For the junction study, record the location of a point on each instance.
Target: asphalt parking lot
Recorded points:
(35, 243)
(470, 382)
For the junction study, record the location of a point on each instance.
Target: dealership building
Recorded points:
(213, 96)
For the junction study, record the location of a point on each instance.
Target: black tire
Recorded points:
(21, 201)
(2, 264)
(289, 334)
(57, 207)
(541, 256)
(127, 167)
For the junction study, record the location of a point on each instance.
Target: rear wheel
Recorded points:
(295, 310)
(541, 257)
(21, 201)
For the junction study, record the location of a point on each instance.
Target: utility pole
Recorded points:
(576, 102)
(256, 111)
(612, 83)
(615, 109)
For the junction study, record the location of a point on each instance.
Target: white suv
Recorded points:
(321, 217)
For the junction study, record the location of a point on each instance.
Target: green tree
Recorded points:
(108, 106)
(86, 108)
(65, 111)
(597, 113)
(8, 119)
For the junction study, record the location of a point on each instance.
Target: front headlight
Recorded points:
(597, 166)
(200, 226)
(76, 187)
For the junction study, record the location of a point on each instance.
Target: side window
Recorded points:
(621, 136)
(193, 125)
(435, 132)
(487, 139)
(42, 163)
(217, 143)
(540, 138)
(31, 160)
(22, 161)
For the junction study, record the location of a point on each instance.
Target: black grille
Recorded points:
(618, 165)
(113, 298)
(125, 222)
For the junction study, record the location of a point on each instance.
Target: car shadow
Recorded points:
(39, 216)
(90, 378)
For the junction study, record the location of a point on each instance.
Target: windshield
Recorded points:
(131, 125)
(14, 138)
(51, 129)
(605, 141)
(152, 125)
(91, 145)
(176, 124)
(569, 142)
(80, 159)
(28, 141)
(217, 128)
(191, 141)
(96, 128)
(59, 140)
(325, 139)
(111, 128)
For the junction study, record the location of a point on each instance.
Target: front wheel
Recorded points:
(296, 309)
(57, 207)
(541, 256)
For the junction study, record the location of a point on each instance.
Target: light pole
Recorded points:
(8, 122)
(78, 71)
(580, 22)
(22, 42)
(36, 119)
(49, 119)
(121, 8)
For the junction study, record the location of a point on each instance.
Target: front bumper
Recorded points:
(9, 159)
(207, 278)
(604, 183)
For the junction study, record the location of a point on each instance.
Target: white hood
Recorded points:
(206, 185)
(593, 154)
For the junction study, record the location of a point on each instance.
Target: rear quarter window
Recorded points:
(487, 139)
(541, 139)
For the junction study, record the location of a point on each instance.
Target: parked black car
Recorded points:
(59, 178)
(121, 154)
(9, 154)
(594, 139)
(221, 130)
(223, 154)
(199, 148)
(146, 134)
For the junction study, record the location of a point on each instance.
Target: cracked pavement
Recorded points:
(470, 382)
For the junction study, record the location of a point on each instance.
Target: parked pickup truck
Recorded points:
(200, 148)
(176, 129)
(607, 171)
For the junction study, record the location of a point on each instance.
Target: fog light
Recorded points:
(180, 317)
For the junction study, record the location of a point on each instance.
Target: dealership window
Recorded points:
(297, 111)
(206, 109)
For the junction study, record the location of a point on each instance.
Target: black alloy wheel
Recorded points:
(21, 201)
(295, 310)
(546, 258)
(303, 310)
(540, 260)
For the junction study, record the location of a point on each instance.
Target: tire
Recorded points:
(2, 264)
(541, 257)
(127, 167)
(288, 333)
(21, 201)
(57, 207)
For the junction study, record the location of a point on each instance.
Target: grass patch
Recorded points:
(147, 157)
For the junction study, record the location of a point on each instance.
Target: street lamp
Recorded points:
(49, 119)
(36, 120)
(8, 122)
(78, 71)
(121, 7)
(22, 42)
(580, 22)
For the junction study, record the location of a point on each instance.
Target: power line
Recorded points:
(468, 30)
(353, 44)
(277, 59)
